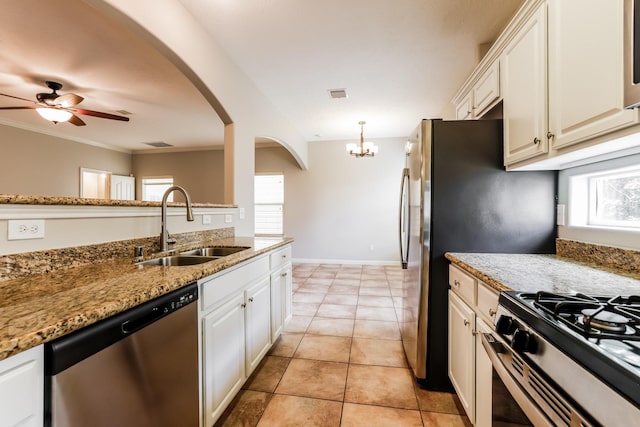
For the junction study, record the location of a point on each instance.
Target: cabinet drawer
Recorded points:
(462, 284)
(216, 289)
(487, 302)
(280, 257)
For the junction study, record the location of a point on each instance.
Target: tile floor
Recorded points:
(339, 361)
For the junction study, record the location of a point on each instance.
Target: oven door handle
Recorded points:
(494, 346)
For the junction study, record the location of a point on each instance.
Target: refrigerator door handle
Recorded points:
(404, 219)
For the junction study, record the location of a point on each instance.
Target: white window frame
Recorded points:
(145, 183)
(257, 230)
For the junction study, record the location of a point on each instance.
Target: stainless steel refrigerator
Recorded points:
(457, 197)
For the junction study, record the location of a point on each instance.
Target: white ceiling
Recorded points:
(399, 60)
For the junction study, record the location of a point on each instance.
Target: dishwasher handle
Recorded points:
(72, 348)
(131, 325)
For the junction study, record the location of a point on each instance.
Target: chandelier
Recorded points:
(364, 148)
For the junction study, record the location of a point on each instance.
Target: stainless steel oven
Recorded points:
(566, 360)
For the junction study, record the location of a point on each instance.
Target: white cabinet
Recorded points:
(258, 324)
(22, 388)
(487, 91)
(472, 308)
(484, 94)
(242, 311)
(524, 90)
(281, 290)
(585, 70)
(461, 352)
(464, 109)
(236, 331)
(223, 358)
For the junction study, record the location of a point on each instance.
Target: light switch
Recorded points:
(561, 215)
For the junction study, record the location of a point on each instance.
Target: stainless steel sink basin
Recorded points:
(215, 251)
(177, 260)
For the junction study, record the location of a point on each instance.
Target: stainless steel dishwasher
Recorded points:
(138, 368)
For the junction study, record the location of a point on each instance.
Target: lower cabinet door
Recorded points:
(462, 352)
(258, 327)
(281, 296)
(21, 389)
(223, 356)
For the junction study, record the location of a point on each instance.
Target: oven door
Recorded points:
(540, 402)
(510, 403)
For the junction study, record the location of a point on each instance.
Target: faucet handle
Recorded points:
(138, 251)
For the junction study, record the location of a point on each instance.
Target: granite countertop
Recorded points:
(39, 308)
(532, 273)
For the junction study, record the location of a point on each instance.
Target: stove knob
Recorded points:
(524, 342)
(505, 325)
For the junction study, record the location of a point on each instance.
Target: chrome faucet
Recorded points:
(164, 234)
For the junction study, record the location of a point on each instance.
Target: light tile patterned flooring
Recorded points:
(339, 361)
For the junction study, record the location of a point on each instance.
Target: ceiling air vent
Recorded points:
(158, 144)
(338, 93)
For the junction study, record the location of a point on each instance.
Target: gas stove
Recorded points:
(586, 347)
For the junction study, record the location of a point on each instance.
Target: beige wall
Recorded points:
(201, 173)
(341, 209)
(38, 164)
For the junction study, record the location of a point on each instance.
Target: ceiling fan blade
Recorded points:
(68, 100)
(75, 120)
(99, 114)
(17, 97)
(19, 108)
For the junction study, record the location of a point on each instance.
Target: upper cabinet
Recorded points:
(560, 64)
(585, 70)
(484, 94)
(524, 85)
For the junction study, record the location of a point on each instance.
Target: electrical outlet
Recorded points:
(241, 213)
(228, 218)
(206, 219)
(561, 214)
(22, 229)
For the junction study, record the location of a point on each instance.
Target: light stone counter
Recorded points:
(39, 308)
(532, 273)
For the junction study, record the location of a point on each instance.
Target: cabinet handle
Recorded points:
(284, 256)
(550, 135)
(456, 282)
(536, 140)
(251, 299)
(243, 305)
(474, 332)
(492, 312)
(284, 274)
(466, 322)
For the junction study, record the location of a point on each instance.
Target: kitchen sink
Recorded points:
(215, 251)
(177, 260)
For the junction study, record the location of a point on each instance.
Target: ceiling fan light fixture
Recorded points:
(54, 115)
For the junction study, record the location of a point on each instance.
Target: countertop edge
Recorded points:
(39, 334)
(488, 280)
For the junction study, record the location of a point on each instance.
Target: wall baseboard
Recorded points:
(345, 262)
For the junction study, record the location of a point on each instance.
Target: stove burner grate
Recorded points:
(594, 317)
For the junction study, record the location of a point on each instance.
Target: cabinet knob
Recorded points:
(492, 312)
(474, 332)
(284, 274)
(536, 140)
(466, 322)
(243, 305)
(550, 135)
(251, 299)
(284, 256)
(456, 282)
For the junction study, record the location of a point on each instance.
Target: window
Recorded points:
(153, 189)
(269, 205)
(614, 199)
(606, 198)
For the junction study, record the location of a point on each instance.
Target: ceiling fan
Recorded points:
(60, 108)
